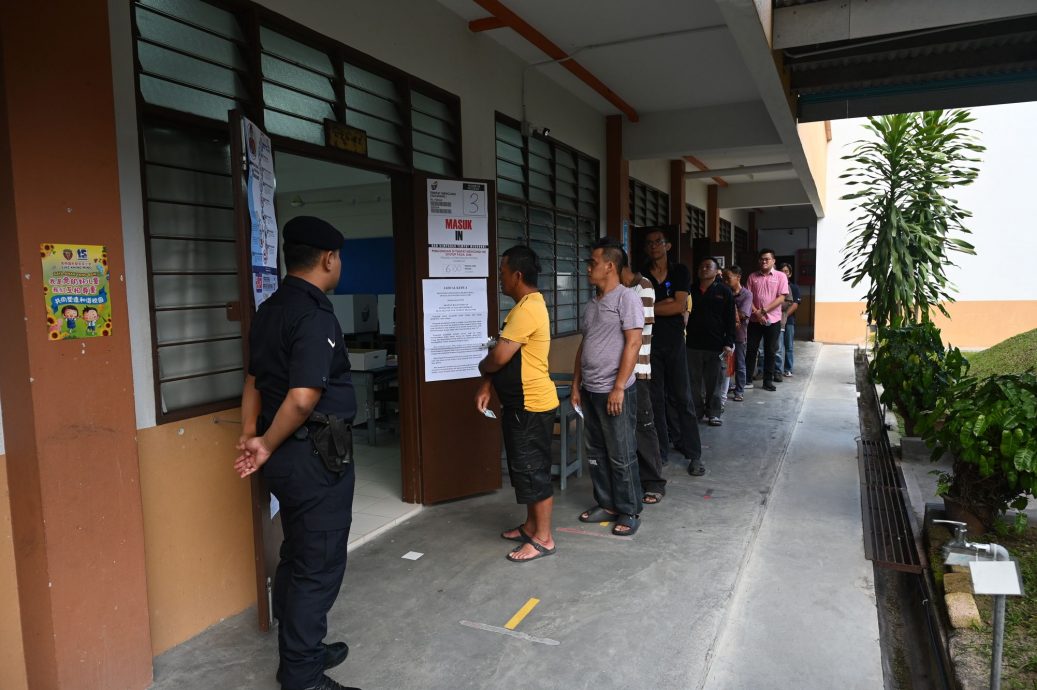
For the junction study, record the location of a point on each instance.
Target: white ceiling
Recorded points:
(674, 53)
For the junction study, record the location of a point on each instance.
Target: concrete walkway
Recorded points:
(749, 577)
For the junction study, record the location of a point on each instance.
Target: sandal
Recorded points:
(541, 552)
(651, 498)
(631, 522)
(738, 397)
(597, 514)
(521, 537)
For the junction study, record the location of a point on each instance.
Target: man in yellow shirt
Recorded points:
(517, 368)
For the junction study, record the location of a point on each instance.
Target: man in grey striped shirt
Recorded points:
(649, 459)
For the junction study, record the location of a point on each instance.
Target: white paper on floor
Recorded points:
(412, 555)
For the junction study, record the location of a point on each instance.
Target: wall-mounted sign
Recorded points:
(458, 229)
(75, 290)
(455, 327)
(345, 137)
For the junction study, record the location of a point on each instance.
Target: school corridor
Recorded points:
(752, 576)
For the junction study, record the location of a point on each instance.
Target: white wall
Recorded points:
(654, 172)
(1004, 229)
(422, 38)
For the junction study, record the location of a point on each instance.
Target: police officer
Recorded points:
(297, 392)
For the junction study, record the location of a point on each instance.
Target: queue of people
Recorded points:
(648, 369)
(660, 353)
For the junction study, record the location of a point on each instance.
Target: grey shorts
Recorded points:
(527, 441)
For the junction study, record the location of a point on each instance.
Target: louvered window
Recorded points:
(696, 221)
(190, 234)
(648, 206)
(190, 57)
(547, 199)
(725, 230)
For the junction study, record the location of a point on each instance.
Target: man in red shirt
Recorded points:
(769, 288)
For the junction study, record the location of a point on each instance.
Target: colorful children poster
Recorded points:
(75, 289)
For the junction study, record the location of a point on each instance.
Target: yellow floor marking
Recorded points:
(522, 613)
(604, 524)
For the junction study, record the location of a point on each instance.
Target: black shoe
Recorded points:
(325, 683)
(776, 379)
(334, 654)
(769, 387)
(696, 468)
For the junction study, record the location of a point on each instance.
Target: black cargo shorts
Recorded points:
(527, 441)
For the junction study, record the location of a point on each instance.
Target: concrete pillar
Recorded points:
(68, 410)
(617, 178)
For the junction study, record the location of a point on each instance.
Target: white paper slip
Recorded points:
(996, 577)
(412, 555)
(489, 413)
(577, 410)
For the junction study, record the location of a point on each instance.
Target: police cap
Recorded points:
(312, 232)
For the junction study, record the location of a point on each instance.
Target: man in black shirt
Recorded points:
(669, 361)
(711, 338)
(298, 389)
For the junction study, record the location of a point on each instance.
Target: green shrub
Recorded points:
(989, 426)
(914, 369)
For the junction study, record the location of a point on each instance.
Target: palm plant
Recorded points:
(906, 223)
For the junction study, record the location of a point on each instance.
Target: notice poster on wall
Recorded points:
(455, 327)
(458, 229)
(263, 222)
(75, 290)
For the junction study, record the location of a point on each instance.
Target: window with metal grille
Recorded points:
(192, 260)
(741, 241)
(696, 221)
(725, 230)
(197, 60)
(648, 205)
(547, 199)
(190, 57)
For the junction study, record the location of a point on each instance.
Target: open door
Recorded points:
(458, 450)
(251, 152)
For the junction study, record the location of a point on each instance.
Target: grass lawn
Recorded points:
(1012, 356)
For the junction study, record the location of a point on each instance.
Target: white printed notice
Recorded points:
(455, 327)
(458, 229)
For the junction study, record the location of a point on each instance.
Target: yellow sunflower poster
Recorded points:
(75, 290)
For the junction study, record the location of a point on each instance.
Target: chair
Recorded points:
(566, 414)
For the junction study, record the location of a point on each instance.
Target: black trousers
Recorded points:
(670, 380)
(649, 460)
(769, 334)
(316, 513)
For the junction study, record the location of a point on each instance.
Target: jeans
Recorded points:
(706, 371)
(790, 335)
(649, 460)
(612, 451)
(739, 376)
(769, 335)
(670, 380)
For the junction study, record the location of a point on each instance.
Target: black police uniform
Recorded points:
(296, 342)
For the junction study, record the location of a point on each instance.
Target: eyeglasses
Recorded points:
(655, 243)
(766, 258)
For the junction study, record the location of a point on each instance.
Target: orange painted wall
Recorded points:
(197, 527)
(12, 660)
(973, 325)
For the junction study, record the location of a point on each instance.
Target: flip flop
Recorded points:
(597, 514)
(651, 498)
(541, 552)
(521, 537)
(630, 521)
